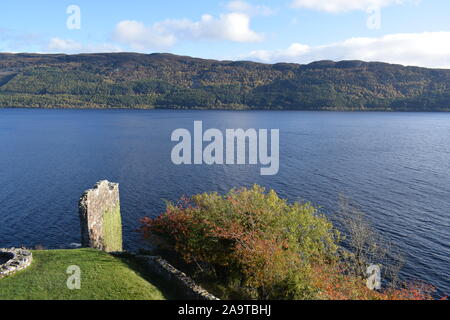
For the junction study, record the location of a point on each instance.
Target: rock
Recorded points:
(169, 273)
(18, 259)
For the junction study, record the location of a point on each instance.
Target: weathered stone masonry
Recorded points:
(160, 267)
(17, 260)
(101, 229)
(101, 226)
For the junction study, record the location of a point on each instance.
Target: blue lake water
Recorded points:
(396, 166)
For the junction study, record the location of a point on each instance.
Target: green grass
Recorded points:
(103, 277)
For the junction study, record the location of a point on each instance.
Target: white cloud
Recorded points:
(57, 45)
(65, 45)
(15, 41)
(140, 37)
(249, 9)
(335, 6)
(291, 54)
(232, 27)
(428, 49)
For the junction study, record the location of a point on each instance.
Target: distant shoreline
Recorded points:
(229, 110)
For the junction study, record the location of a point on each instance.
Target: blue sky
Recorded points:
(409, 32)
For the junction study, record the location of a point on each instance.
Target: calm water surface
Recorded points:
(395, 165)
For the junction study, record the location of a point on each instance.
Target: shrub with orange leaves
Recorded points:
(272, 249)
(258, 238)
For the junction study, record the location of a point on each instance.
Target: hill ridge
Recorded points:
(163, 80)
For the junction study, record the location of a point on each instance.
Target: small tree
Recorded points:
(366, 246)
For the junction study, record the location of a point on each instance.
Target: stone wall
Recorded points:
(19, 259)
(101, 226)
(185, 285)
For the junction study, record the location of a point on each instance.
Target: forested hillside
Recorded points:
(130, 80)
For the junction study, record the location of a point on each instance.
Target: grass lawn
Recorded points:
(103, 277)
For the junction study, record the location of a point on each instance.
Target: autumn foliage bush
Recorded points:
(248, 236)
(259, 245)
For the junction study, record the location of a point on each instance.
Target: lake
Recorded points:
(396, 166)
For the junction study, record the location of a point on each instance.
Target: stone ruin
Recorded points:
(101, 229)
(14, 260)
(185, 285)
(101, 223)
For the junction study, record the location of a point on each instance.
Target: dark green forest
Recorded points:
(130, 80)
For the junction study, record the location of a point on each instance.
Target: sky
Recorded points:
(408, 32)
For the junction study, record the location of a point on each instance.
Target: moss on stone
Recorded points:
(112, 230)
